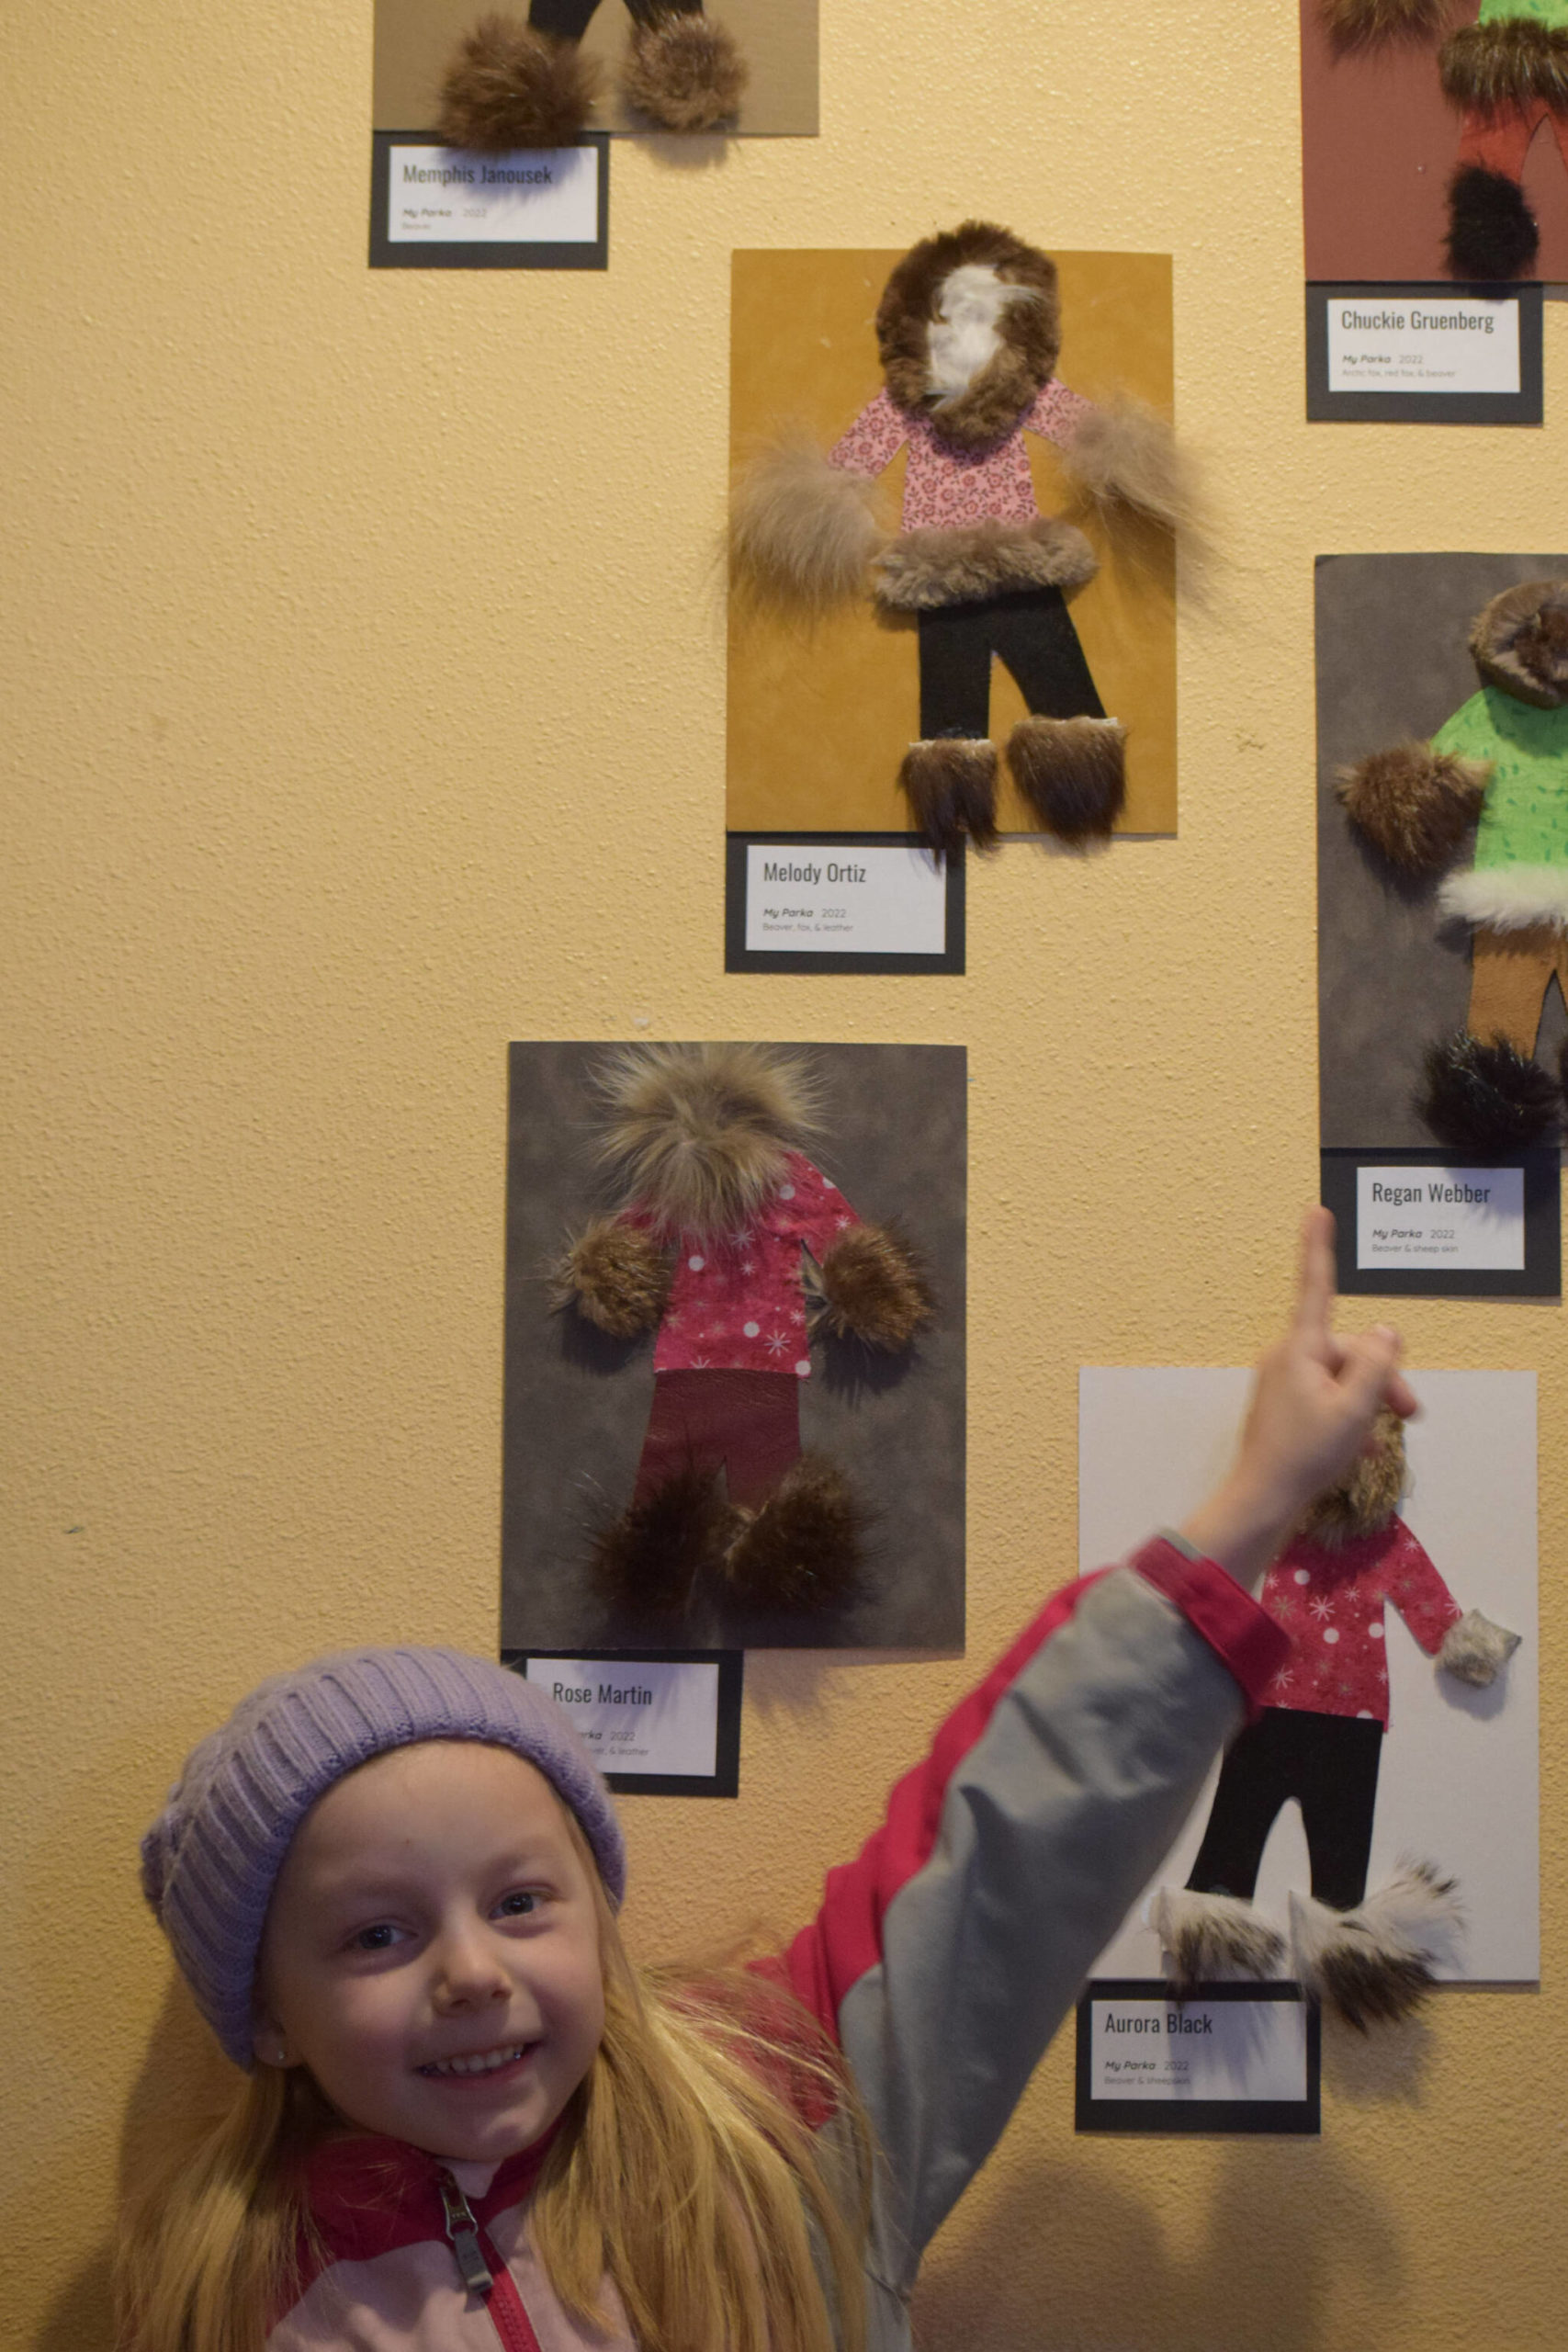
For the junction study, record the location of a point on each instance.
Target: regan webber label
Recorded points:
(440, 196)
(1463, 1218)
(888, 901)
(638, 1714)
(1448, 344)
(1220, 2050)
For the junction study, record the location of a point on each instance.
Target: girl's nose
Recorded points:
(469, 1970)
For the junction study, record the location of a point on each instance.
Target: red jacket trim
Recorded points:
(1243, 1636)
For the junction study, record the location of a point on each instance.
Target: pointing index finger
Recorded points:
(1315, 1296)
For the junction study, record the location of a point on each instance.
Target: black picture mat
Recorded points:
(739, 957)
(1524, 407)
(724, 1781)
(1184, 2118)
(460, 255)
(1541, 1274)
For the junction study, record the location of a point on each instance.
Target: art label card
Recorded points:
(1424, 354)
(657, 1723)
(436, 207)
(1231, 2058)
(848, 903)
(1414, 1224)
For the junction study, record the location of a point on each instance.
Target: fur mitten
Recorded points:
(1124, 455)
(1368, 24)
(805, 1548)
(871, 1286)
(1211, 1939)
(509, 87)
(1414, 804)
(615, 1274)
(1072, 773)
(802, 533)
(1487, 1098)
(1493, 233)
(1377, 1961)
(949, 782)
(682, 71)
(1475, 1650)
(649, 1559)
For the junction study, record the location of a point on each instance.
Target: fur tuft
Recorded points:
(1512, 63)
(802, 532)
(649, 1559)
(684, 72)
(1212, 1938)
(508, 87)
(1029, 331)
(1493, 233)
(1072, 772)
(1125, 455)
(1367, 1497)
(805, 1548)
(1508, 898)
(1475, 1650)
(700, 1134)
(1414, 804)
(919, 569)
(872, 1286)
(1520, 642)
(1376, 1963)
(1368, 24)
(616, 1274)
(949, 782)
(1487, 1098)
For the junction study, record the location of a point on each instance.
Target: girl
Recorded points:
(391, 1882)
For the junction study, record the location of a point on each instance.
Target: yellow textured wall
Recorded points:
(365, 703)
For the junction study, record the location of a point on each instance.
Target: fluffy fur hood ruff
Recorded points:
(1367, 1497)
(1520, 642)
(698, 1134)
(950, 299)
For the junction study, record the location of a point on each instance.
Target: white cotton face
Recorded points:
(963, 339)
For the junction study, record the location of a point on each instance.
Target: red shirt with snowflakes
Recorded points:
(947, 489)
(1331, 1604)
(736, 1304)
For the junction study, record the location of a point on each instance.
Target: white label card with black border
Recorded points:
(442, 207)
(666, 1724)
(845, 901)
(1471, 1218)
(1416, 354)
(1235, 2057)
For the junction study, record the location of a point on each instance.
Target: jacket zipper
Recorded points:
(482, 2271)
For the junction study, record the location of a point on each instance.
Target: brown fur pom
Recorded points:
(1368, 24)
(1414, 804)
(1209, 1938)
(649, 1559)
(949, 782)
(1493, 233)
(1125, 455)
(684, 72)
(1072, 772)
(922, 569)
(1367, 1497)
(1520, 642)
(873, 1286)
(805, 1548)
(1030, 332)
(699, 1133)
(615, 1274)
(508, 87)
(802, 532)
(1486, 1097)
(1512, 63)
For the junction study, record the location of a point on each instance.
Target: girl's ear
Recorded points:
(270, 2042)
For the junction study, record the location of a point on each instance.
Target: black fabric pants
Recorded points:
(1031, 630)
(569, 20)
(1330, 1764)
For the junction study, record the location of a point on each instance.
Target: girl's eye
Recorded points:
(518, 1905)
(381, 1938)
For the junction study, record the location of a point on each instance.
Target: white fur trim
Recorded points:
(1508, 897)
(1474, 1649)
(964, 340)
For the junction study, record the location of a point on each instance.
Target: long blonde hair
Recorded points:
(685, 2173)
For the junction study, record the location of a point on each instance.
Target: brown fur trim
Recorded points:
(1124, 455)
(647, 1560)
(684, 72)
(1520, 642)
(802, 532)
(1367, 1497)
(805, 1548)
(1030, 332)
(1496, 67)
(1475, 1650)
(1072, 772)
(615, 1274)
(1414, 804)
(949, 782)
(1368, 24)
(699, 1133)
(1486, 1096)
(873, 1286)
(508, 87)
(1209, 1938)
(922, 569)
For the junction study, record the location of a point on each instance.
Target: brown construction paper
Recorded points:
(820, 715)
(1378, 141)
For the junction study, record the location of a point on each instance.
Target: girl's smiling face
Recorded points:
(431, 1951)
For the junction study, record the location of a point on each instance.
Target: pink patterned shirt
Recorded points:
(944, 487)
(736, 1304)
(1331, 1604)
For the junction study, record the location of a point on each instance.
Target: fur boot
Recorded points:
(649, 1559)
(804, 1549)
(1072, 774)
(1212, 1938)
(1377, 1961)
(1475, 1650)
(684, 72)
(509, 87)
(615, 1275)
(872, 1286)
(1124, 455)
(1414, 804)
(802, 533)
(1481, 1097)
(1368, 24)
(949, 782)
(1493, 233)
(700, 1134)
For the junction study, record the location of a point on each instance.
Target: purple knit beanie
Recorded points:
(210, 1860)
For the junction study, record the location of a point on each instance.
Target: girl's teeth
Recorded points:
(486, 2065)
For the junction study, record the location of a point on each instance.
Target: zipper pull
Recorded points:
(463, 2232)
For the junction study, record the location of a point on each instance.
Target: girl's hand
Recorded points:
(1313, 1402)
